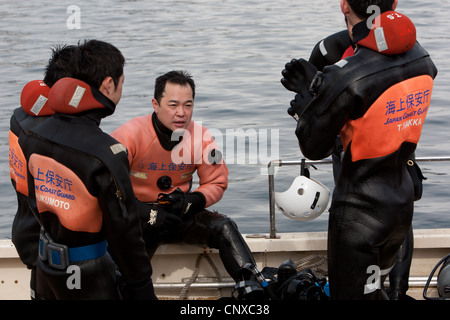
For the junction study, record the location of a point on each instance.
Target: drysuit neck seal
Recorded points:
(164, 134)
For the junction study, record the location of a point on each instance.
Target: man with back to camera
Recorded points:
(326, 52)
(80, 190)
(165, 149)
(363, 98)
(34, 109)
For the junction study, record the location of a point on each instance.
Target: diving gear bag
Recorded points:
(284, 283)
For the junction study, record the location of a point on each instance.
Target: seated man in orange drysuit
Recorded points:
(165, 149)
(377, 101)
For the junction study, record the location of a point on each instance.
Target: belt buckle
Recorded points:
(43, 243)
(58, 255)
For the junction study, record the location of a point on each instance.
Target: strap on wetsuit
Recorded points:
(60, 256)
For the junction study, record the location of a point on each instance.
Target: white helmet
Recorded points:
(305, 200)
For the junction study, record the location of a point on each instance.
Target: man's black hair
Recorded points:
(60, 65)
(177, 77)
(360, 6)
(96, 60)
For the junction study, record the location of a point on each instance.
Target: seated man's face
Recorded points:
(176, 106)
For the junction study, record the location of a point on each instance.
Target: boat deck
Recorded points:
(193, 272)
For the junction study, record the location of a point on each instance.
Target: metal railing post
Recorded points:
(279, 163)
(271, 171)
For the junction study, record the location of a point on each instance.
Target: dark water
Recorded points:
(235, 51)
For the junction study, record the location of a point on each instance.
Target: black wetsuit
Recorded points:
(372, 202)
(327, 52)
(79, 188)
(25, 228)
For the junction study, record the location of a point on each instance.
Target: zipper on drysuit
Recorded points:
(120, 195)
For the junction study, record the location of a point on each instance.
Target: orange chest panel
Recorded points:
(397, 116)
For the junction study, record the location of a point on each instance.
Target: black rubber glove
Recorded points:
(298, 75)
(158, 219)
(299, 104)
(182, 204)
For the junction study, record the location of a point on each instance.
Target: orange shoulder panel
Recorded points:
(17, 164)
(60, 191)
(397, 116)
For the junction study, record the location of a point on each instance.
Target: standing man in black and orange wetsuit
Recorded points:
(326, 52)
(80, 190)
(377, 101)
(33, 110)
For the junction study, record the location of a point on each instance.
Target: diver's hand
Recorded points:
(297, 75)
(299, 104)
(155, 218)
(181, 203)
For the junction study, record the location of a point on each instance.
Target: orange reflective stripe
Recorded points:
(17, 164)
(60, 191)
(396, 117)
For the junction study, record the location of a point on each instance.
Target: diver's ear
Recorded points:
(155, 105)
(345, 7)
(107, 86)
(394, 5)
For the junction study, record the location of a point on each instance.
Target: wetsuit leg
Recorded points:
(399, 275)
(336, 157)
(210, 229)
(361, 251)
(43, 288)
(33, 284)
(220, 232)
(152, 240)
(97, 281)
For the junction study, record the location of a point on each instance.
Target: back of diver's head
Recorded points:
(60, 65)
(360, 6)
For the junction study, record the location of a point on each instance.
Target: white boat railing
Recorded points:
(279, 163)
